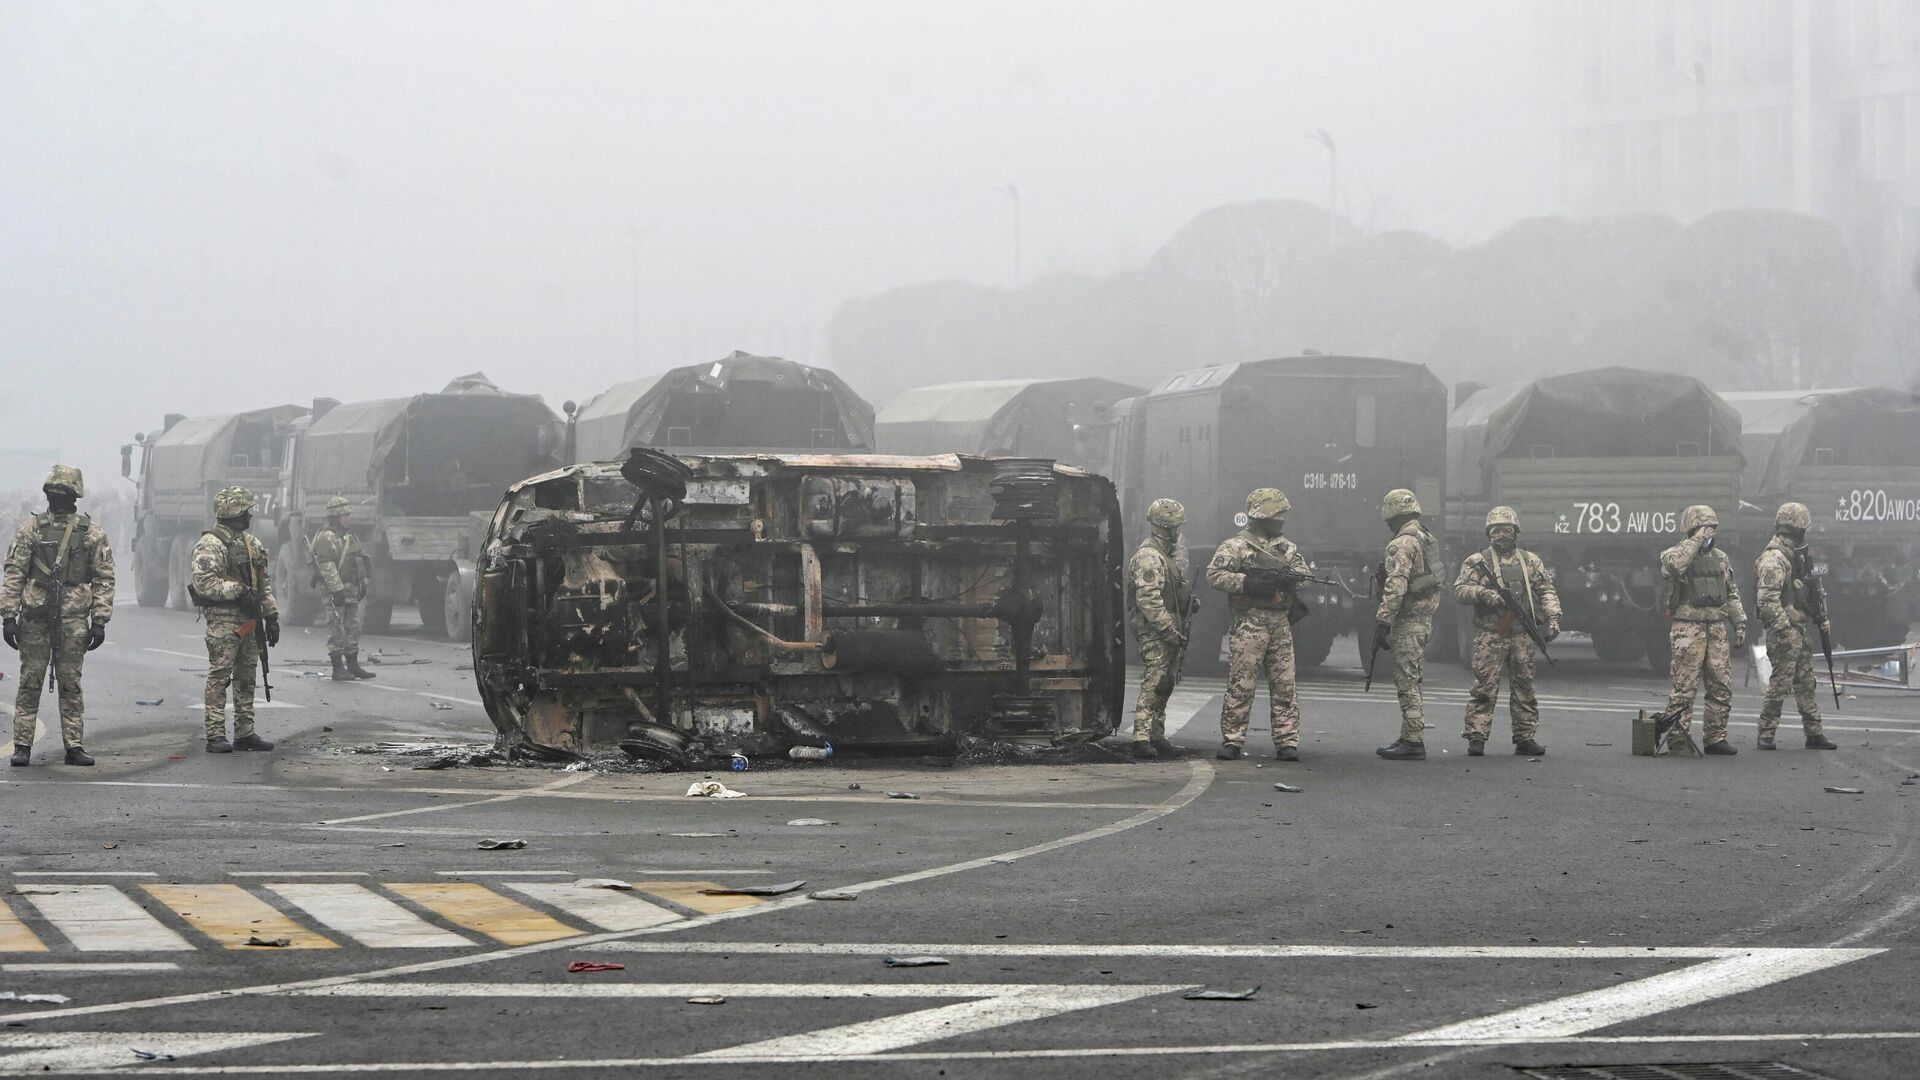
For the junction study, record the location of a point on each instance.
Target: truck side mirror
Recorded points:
(126, 460)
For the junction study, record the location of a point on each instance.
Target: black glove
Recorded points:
(96, 636)
(273, 632)
(1382, 636)
(1263, 582)
(250, 604)
(339, 599)
(10, 629)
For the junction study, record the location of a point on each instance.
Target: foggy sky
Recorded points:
(208, 207)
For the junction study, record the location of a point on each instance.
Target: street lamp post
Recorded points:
(1320, 136)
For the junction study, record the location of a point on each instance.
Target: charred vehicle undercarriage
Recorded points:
(680, 607)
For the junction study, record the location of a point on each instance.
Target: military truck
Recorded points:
(1063, 419)
(1334, 432)
(1599, 465)
(1853, 457)
(741, 402)
(180, 467)
(423, 473)
(686, 606)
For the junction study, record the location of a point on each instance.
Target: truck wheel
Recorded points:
(430, 594)
(179, 572)
(299, 605)
(1659, 648)
(1312, 644)
(150, 577)
(458, 612)
(376, 616)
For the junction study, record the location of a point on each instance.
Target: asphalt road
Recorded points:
(1453, 917)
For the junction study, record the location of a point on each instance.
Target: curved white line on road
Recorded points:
(1200, 775)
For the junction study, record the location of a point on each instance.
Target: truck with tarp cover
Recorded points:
(1599, 464)
(1853, 457)
(681, 607)
(1068, 420)
(180, 468)
(1335, 433)
(423, 474)
(741, 402)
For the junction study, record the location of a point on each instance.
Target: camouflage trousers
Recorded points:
(1791, 655)
(232, 661)
(1495, 654)
(36, 654)
(1409, 642)
(1260, 638)
(343, 628)
(1701, 651)
(1157, 659)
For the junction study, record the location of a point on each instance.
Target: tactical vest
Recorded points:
(1793, 592)
(1267, 556)
(239, 566)
(355, 566)
(1423, 582)
(54, 549)
(1704, 585)
(1514, 578)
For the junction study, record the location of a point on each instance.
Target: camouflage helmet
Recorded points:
(1166, 514)
(232, 502)
(1793, 516)
(1694, 517)
(66, 478)
(1398, 502)
(1265, 504)
(1503, 515)
(338, 505)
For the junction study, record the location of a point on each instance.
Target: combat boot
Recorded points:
(1766, 742)
(218, 744)
(1821, 742)
(22, 755)
(251, 741)
(340, 673)
(1476, 748)
(1228, 752)
(78, 756)
(1287, 753)
(1529, 748)
(1164, 748)
(1723, 748)
(1399, 750)
(354, 668)
(1142, 749)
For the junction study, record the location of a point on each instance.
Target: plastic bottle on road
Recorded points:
(739, 761)
(811, 753)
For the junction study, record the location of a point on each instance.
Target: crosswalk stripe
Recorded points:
(14, 935)
(687, 895)
(607, 909)
(100, 918)
(366, 916)
(479, 908)
(229, 914)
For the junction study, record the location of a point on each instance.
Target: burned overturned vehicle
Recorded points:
(682, 607)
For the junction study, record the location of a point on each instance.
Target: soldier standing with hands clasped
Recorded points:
(1159, 610)
(342, 564)
(231, 586)
(1500, 642)
(1409, 595)
(1704, 605)
(1782, 598)
(1247, 567)
(59, 579)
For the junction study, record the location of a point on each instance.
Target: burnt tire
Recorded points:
(299, 605)
(150, 579)
(179, 572)
(1312, 645)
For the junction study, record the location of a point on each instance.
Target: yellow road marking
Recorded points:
(687, 895)
(229, 914)
(14, 935)
(477, 907)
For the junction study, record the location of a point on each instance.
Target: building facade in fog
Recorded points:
(1686, 107)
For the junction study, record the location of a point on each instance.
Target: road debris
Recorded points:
(810, 821)
(1221, 995)
(148, 1055)
(270, 943)
(756, 890)
(34, 999)
(703, 835)
(602, 883)
(442, 706)
(712, 789)
(1365, 1005)
(150, 701)
(916, 961)
(502, 845)
(853, 787)
(707, 999)
(579, 966)
(1845, 791)
(437, 764)
(1287, 787)
(833, 894)
(901, 795)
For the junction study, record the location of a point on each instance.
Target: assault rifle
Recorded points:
(255, 626)
(56, 587)
(1376, 589)
(1817, 611)
(1179, 665)
(1516, 612)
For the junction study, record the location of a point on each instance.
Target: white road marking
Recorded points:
(46, 1051)
(607, 909)
(566, 781)
(1187, 705)
(681, 990)
(84, 873)
(1897, 913)
(388, 689)
(1245, 952)
(107, 967)
(200, 656)
(296, 873)
(449, 697)
(367, 917)
(499, 873)
(258, 704)
(1200, 775)
(1668, 991)
(101, 918)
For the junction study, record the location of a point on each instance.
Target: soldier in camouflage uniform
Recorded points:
(66, 547)
(235, 594)
(1410, 586)
(1704, 604)
(1159, 608)
(1784, 611)
(341, 564)
(1499, 643)
(1245, 567)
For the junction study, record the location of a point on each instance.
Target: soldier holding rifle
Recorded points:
(1159, 612)
(54, 607)
(1258, 569)
(235, 594)
(1512, 597)
(1789, 611)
